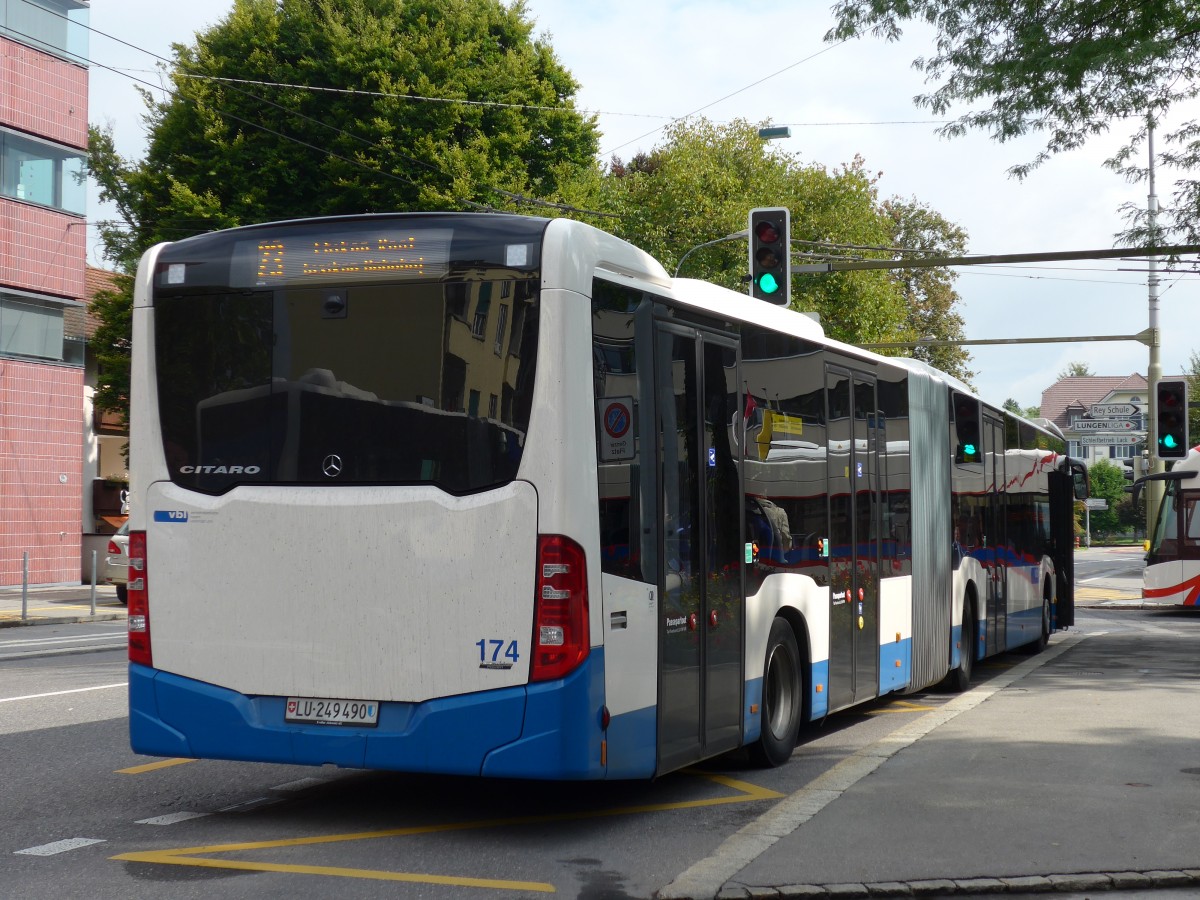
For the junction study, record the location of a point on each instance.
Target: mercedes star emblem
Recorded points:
(332, 465)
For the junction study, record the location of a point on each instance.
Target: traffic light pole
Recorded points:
(1154, 489)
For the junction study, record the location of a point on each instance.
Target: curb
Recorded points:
(973, 887)
(60, 620)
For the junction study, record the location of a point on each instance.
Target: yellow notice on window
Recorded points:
(777, 426)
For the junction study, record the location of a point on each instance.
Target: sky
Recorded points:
(642, 64)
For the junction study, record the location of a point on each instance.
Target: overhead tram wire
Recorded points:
(726, 97)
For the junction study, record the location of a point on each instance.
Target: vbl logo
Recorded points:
(170, 515)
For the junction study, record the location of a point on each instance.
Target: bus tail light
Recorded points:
(139, 606)
(560, 623)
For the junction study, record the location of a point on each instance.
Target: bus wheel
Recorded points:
(1044, 638)
(782, 700)
(1039, 643)
(960, 679)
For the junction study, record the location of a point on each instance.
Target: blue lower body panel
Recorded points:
(549, 730)
(895, 665)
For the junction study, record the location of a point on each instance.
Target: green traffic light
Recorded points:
(1169, 442)
(968, 449)
(767, 284)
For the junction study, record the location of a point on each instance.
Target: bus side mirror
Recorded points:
(1079, 478)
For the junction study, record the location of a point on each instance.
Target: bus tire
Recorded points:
(782, 698)
(959, 678)
(1044, 637)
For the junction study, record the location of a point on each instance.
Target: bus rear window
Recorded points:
(377, 380)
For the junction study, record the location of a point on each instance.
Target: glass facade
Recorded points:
(41, 172)
(31, 328)
(54, 26)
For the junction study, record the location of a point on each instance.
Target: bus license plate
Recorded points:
(322, 711)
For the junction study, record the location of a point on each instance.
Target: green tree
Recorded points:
(1070, 70)
(929, 295)
(418, 105)
(1076, 369)
(698, 186)
(111, 345)
(1107, 482)
(1192, 374)
(290, 108)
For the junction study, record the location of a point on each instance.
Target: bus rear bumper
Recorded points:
(485, 733)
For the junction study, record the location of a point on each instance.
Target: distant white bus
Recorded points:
(1172, 572)
(494, 495)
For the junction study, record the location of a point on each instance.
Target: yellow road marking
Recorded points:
(196, 856)
(151, 767)
(171, 858)
(899, 706)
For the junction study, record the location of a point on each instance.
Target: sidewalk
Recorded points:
(59, 605)
(1074, 771)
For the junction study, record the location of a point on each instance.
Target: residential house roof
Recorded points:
(1081, 391)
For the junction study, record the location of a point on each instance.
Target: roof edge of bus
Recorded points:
(722, 301)
(614, 255)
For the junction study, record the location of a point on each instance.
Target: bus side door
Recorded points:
(854, 527)
(701, 546)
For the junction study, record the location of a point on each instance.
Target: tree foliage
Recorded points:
(1108, 483)
(929, 295)
(291, 108)
(111, 345)
(1076, 369)
(698, 186)
(1069, 70)
(1192, 374)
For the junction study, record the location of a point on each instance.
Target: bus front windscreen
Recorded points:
(378, 350)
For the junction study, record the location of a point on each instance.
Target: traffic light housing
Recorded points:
(1171, 411)
(770, 254)
(1131, 472)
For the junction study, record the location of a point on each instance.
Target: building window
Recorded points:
(32, 328)
(501, 324)
(479, 324)
(41, 172)
(54, 26)
(1122, 451)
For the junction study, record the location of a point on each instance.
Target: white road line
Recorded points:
(121, 636)
(247, 805)
(707, 876)
(302, 784)
(98, 687)
(55, 641)
(60, 846)
(172, 818)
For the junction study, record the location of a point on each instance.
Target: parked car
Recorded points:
(116, 563)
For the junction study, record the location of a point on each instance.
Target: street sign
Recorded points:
(1103, 425)
(1096, 503)
(1112, 410)
(1100, 440)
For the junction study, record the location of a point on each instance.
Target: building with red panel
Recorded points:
(43, 145)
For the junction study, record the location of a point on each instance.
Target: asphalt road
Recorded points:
(1082, 760)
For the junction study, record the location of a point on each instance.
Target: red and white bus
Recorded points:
(1172, 572)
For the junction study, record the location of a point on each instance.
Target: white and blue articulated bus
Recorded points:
(494, 495)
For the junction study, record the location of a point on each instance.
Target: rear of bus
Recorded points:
(338, 555)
